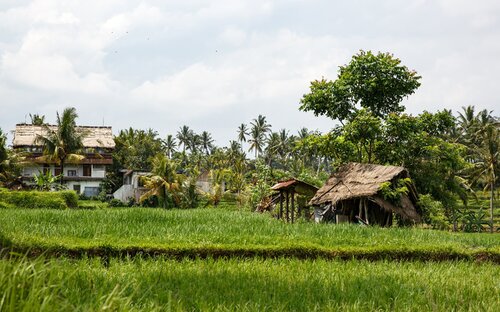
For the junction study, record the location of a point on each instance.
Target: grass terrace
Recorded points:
(214, 232)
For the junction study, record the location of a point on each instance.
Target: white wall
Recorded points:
(98, 171)
(32, 170)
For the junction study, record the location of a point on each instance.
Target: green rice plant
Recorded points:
(247, 285)
(221, 232)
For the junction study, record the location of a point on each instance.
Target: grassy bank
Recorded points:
(253, 285)
(213, 232)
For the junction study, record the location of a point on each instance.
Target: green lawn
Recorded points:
(247, 285)
(206, 232)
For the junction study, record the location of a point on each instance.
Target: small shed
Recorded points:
(353, 194)
(286, 195)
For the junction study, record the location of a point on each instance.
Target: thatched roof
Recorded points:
(355, 180)
(298, 186)
(25, 135)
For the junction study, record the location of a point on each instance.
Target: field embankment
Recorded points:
(213, 233)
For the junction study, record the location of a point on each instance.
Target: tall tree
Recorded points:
(486, 155)
(3, 153)
(207, 142)
(195, 143)
(375, 82)
(169, 145)
(37, 119)
(242, 133)
(164, 182)
(184, 136)
(260, 127)
(256, 140)
(65, 142)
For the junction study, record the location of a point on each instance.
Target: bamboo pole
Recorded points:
(280, 213)
(293, 203)
(287, 206)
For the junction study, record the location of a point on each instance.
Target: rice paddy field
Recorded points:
(143, 259)
(212, 232)
(247, 285)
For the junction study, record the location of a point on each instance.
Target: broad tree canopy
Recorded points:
(376, 82)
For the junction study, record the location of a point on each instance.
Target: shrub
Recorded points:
(116, 203)
(4, 205)
(70, 198)
(433, 212)
(37, 199)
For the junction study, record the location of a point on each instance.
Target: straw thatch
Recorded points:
(95, 136)
(357, 181)
(298, 186)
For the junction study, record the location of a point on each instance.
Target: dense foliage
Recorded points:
(37, 199)
(375, 82)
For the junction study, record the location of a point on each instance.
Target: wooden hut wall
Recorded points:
(364, 209)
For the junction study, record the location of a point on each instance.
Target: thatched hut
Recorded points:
(355, 194)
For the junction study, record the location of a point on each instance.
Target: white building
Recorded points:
(83, 177)
(132, 187)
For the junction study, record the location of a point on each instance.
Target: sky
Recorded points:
(213, 65)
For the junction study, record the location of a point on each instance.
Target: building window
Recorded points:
(71, 173)
(77, 188)
(57, 171)
(87, 170)
(91, 191)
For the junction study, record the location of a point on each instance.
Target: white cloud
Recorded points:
(215, 64)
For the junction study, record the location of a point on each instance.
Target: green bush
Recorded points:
(70, 198)
(116, 203)
(433, 212)
(4, 205)
(37, 199)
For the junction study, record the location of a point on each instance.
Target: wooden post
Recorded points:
(365, 203)
(388, 219)
(287, 207)
(280, 214)
(293, 203)
(299, 211)
(360, 208)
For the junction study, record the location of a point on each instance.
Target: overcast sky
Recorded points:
(215, 64)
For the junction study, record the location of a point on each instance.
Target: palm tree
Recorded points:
(467, 119)
(37, 120)
(260, 128)
(273, 145)
(206, 142)
(487, 160)
(234, 150)
(63, 144)
(285, 143)
(194, 143)
(261, 123)
(169, 144)
(184, 136)
(257, 141)
(164, 182)
(242, 133)
(3, 152)
(303, 133)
